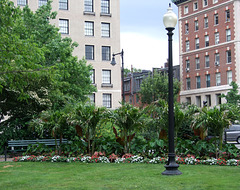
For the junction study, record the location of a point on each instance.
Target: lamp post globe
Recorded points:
(170, 21)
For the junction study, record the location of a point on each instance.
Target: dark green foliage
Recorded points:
(233, 97)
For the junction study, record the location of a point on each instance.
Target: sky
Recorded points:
(143, 36)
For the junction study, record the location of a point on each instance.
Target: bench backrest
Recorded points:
(50, 142)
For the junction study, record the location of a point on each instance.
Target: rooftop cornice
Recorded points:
(177, 2)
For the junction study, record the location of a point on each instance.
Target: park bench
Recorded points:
(24, 143)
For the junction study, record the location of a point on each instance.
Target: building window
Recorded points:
(227, 13)
(208, 99)
(198, 101)
(89, 28)
(138, 82)
(217, 38)
(42, 2)
(218, 79)
(92, 76)
(207, 61)
(206, 22)
(186, 10)
(187, 46)
(107, 100)
(63, 4)
(126, 86)
(105, 7)
(186, 28)
(22, 2)
(88, 5)
(217, 59)
(105, 30)
(196, 25)
(228, 35)
(64, 26)
(197, 61)
(188, 82)
(106, 53)
(187, 65)
(188, 100)
(197, 43)
(92, 98)
(198, 82)
(218, 99)
(89, 52)
(206, 40)
(228, 56)
(208, 80)
(215, 1)
(229, 77)
(106, 76)
(205, 3)
(195, 6)
(216, 19)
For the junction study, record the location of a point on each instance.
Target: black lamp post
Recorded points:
(113, 62)
(170, 21)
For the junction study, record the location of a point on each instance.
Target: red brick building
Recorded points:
(209, 35)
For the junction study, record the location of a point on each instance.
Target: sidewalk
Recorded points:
(2, 159)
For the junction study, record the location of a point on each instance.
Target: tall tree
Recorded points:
(233, 96)
(155, 87)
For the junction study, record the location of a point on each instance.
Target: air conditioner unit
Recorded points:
(187, 69)
(217, 63)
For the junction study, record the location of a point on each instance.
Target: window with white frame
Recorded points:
(21, 2)
(105, 7)
(197, 61)
(206, 22)
(196, 43)
(188, 83)
(217, 38)
(89, 52)
(107, 100)
(227, 13)
(92, 76)
(187, 65)
(105, 29)
(138, 82)
(106, 76)
(228, 35)
(216, 21)
(64, 26)
(186, 28)
(229, 56)
(42, 2)
(88, 5)
(186, 10)
(126, 86)
(218, 79)
(198, 82)
(206, 40)
(208, 80)
(196, 25)
(217, 59)
(89, 28)
(63, 4)
(229, 77)
(187, 46)
(207, 61)
(205, 3)
(106, 53)
(195, 6)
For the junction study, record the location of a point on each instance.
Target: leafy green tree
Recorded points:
(233, 96)
(155, 87)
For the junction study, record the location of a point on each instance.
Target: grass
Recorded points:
(34, 175)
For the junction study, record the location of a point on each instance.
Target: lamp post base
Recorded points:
(172, 166)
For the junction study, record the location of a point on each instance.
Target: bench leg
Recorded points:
(5, 152)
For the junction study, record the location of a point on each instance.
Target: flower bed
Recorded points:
(100, 158)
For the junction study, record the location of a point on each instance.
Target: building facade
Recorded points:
(95, 26)
(209, 36)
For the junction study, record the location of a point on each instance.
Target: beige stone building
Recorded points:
(95, 26)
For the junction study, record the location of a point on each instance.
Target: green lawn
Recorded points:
(30, 175)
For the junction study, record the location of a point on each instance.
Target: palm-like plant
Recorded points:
(215, 119)
(128, 120)
(86, 118)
